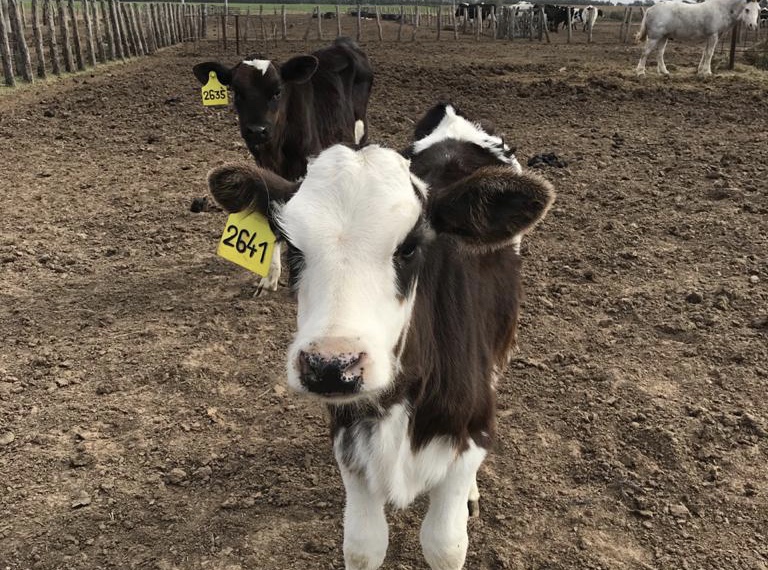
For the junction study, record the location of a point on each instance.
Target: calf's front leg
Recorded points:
(444, 538)
(366, 534)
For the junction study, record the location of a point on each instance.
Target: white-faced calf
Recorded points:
(408, 283)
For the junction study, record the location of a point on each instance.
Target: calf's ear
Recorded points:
(491, 207)
(299, 69)
(238, 187)
(202, 72)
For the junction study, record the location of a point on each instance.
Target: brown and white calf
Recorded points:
(408, 286)
(290, 112)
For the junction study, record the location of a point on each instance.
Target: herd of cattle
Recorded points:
(556, 15)
(397, 260)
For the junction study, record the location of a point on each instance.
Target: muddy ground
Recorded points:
(143, 418)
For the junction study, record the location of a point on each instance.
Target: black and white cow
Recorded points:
(472, 11)
(289, 112)
(408, 287)
(556, 16)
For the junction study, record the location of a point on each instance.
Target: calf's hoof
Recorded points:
(474, 508)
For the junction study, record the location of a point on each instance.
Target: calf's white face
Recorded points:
(349, 221)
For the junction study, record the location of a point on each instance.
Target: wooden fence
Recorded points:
(57, 36)
(242, 26)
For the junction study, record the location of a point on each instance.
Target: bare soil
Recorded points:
(143, 418)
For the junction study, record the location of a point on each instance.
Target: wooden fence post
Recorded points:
(544, 24)
(38, 33)
(142, 37)
(113, 23)
(98, 35)
(110, 40)
(284, 23)
(149, 30)
(76, 36)
(402, 21)
(734, 40)
(338, 21)
(378, 23)
(359, 22)
(570, 24)
(17, 28)
(5, 51)
(237, 34)
(53, 48)
(130, 32)
(319, 24)
(129, 47)
(164, 23)
(89, 46)
(415, 24)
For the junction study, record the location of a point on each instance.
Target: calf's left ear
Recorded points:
(489, 208)
(238, 187)
(202, 72)
(299, 69)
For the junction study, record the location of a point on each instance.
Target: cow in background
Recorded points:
(291, 111)
(589, 18)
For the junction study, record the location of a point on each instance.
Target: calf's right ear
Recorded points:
(238, 187)
(203, 70)
(491, 207)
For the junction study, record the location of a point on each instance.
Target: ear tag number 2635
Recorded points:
(248, 241)
(214, 93)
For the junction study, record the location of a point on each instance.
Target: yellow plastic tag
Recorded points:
(214, 93)
(248, 241)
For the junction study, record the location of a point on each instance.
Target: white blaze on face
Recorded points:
(454, 126)
(260, 64)
(349, 215)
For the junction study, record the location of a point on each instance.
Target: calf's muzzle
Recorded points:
(331, 373)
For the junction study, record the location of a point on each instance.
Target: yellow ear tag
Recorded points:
(248, 241)
(214, 93)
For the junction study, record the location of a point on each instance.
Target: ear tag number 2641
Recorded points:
(248, 241)
(214, 93)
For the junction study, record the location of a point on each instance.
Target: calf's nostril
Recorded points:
(324, 373)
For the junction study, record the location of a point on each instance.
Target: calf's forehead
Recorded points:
(353, 200)
(255, 74)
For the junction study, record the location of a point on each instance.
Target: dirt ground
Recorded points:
(143, 418)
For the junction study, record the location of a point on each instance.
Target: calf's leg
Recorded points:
(366, 533)
(473, 504)
(444, 537)
(275, 268)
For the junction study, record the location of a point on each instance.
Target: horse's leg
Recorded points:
(647, 49)
(660, 58)
(705, 66)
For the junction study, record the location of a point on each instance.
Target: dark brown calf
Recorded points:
(292, 111)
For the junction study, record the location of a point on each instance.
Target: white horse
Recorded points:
(692, 22)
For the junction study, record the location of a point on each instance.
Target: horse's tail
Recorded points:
(643, 33)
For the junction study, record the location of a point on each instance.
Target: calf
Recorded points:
(408, 286)
(290, 112)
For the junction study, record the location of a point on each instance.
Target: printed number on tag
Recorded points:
(214, 93)
(248, 241)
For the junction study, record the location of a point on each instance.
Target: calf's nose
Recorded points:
(258, 132)
(331, 374)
